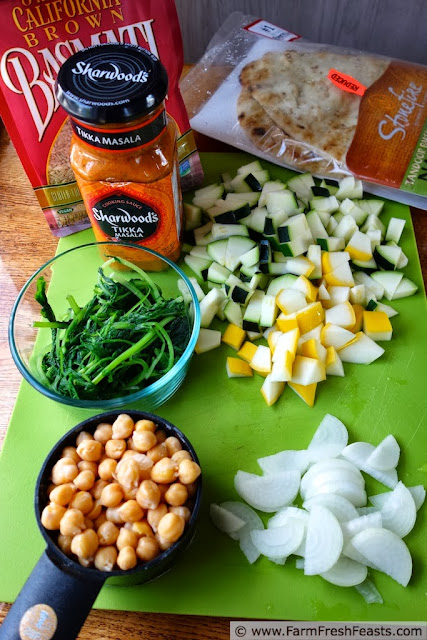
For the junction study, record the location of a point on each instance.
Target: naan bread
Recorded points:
(292, 87)
(267, 136)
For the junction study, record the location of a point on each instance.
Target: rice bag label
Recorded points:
(390, 143)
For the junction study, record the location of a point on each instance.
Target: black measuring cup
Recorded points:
(59, 593)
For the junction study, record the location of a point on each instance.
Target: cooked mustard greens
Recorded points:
(125, 338)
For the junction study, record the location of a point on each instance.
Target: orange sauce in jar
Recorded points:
(124, 147)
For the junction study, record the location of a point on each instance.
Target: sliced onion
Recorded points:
(419, 495)
(346, 573)
(279, 541)
(331, 465)
(267, 493)
(351, 552)
(245, 513)
(253, 521)
(225, 520)
(378, 500)
(386, 455)
(324, 541)
(280, 561)
(345, 488)
(364, 511)
(358, 453)
(299, 563)
(342, 508)
(282, 517)
(352, 527)
(369, 592)
(285, 461)
(329, 439)
(389, 553)
(398, 511)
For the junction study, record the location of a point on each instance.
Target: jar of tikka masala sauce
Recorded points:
(123, 149)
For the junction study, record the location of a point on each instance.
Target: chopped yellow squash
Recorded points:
(358, 312)
(247, 351)
(305, 392)
(234, 336)
(308, 289)
(377, 325)
(340, 276)
(309, 317)
(271, 391)
(307, 370)
(333, 364)
(237, 368)
(313, 349)
(286, 323)
(261, 362)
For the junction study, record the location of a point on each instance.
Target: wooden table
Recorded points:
(25, 244)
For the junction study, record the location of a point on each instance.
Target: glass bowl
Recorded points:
(70, 280)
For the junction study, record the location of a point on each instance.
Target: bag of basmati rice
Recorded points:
(35, 39)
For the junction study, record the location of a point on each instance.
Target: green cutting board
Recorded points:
(230, 426)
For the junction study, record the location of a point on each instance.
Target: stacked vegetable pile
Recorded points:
(303, 266)
(333, 534)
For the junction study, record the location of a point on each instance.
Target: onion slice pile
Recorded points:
(336, 533)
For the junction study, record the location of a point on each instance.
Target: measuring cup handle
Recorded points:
(53, 604)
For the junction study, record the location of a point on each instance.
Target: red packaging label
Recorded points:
(346, 83)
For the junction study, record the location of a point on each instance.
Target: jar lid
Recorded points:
(111, 82)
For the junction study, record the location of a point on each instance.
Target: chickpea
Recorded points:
(148, 494)
(158, 452)
(108, 533)
(98, 488)
(64, 543)
(50, 488)
(130, 445)
(130, 494)
(127, 538)
(88, 523)
(145, 425)
(165, 471)
(113, 515)
(62, 494)
(83, 435)
(189, 471)
(85, 465)
(127, 473)
(96, 510)
(163, 488)
(144, 463)
(107, 468)
(176, 495)
(85, 562)
(90, 450)
(51, 516)
(103, 432)
(115, 448)
(111, 495)
(142, 528)
(85, 480)
(127, 558)
(71, 452)
(105, 558)
(100, 519)
(63, 471)
(171, 527)
(155, 515)
(144, 440)
(163, 543)
(85, 545)
(172, 445)
(122, 427)
(82, 501)
(178, 456)
(147, 549)
(72, 522)
(161, 435)
(184, 512)
(130, 511)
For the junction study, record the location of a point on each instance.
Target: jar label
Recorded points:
(125, 218)
(120, 139)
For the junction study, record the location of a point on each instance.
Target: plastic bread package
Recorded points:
(314, 108)
(35, 39)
